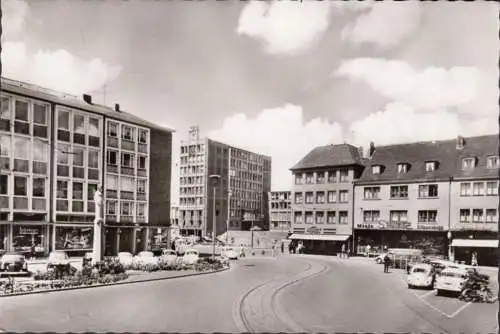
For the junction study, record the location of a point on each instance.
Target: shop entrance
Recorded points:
(111, 242)
(126, 240)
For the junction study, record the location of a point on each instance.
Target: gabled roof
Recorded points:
(330, 156)
(40, 93)
(444, 152)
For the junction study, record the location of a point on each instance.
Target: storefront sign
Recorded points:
(430, 227)
(29, 230)
(400, 226)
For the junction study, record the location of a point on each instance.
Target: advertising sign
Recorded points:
(399, 225)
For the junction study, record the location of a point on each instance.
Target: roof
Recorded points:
(40, 93)
(444, 152)
(330, 156)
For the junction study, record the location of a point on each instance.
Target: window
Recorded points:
(399, 216)
(371, 216)
(62, 154)
(127, 184)
(91, 189)
(298, 217)
(143, 136)
(344, 175)
(492, 162)
(78, 123)
(63, 120)
(112, 129)
(111, 208)
(40, 114)
(40, 151)
(430, 166)
(141, 162)
(330, 217)
(127, 209)
(464, 215)
(93, 127)
(78, 190)
(309, 217)
(4, 184)
(492, 188)
(141, 186)
(343, 217)
(298, 198)
(20, 186)
(111, 182)
(427, 190)
(465, 189)
(128, 133)
(491, 215)
(372, 193)
(468, 163)
(5, 115)
(375, 170)
(320, 217)
(320, 177)
(320, 197)
(343, 196)
(402, 168)
(4, 146)
(62, 189)
(22, 112)
(332, 196)
(332, 176)
(78, 156)
(38, 187)
(477, 215)
(309, 178)
(141, 209)
(22, 148)
(127, 160)
(93, 159)
(478, 189)
(309, 197)
(399, 192)
(427, 216)
(112, 158)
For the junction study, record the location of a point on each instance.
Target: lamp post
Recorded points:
(450, 250)
(98, 200)
(215, 179)
(229, 193)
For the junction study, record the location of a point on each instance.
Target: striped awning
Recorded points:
(325, 237)
(479, 243)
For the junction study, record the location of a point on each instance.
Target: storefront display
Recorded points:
(74, 238)
(28, 238)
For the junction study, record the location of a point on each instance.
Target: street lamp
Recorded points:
(98, 200)
(215, 179)
(450, 250)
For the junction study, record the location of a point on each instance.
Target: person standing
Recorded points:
(348, 254)
(387, 262)
(282, 247)
(474, 259)
(342, 251)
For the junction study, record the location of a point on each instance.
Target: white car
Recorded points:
(125, 258)
(231, 253)
(191, 257)
(168, 257)
(421, 275)
(146, 258)
(57, 258)
(451, 280)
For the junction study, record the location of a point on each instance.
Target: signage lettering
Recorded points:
(387, 225)
(28, 230)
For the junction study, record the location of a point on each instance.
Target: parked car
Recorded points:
(380, 259)
(451, 280)
(158, 249)
(439, 265)
(87, 259)
(168, 257)
(231, 253)
(191, 256)
(125, 258)
(421, 275)
(58, 258)
(13, 262)
(145, 258)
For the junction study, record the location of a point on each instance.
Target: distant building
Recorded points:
(174, 222)
(323, 194)
(245, 180)
(280, 207)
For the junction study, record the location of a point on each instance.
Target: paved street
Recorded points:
(287, 293)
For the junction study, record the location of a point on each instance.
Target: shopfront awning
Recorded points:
(324, 237)
(474, 243)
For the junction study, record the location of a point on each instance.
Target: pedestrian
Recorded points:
(291, 248)
(474, 259)
(348, 254)
(387, 262)
(33, 251)
(282, 247)
(274, 250)
(342, 251)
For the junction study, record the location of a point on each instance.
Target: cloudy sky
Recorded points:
(276, 77)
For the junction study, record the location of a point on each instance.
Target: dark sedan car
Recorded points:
(13, 262)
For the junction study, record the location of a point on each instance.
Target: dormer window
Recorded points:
(402, 168)
(493, 162)
(376, 169)
(468, 163)
(430, 166)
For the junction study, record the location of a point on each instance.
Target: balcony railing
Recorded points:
(4, 202)
(126, 219)
(143, 148)
(40, 167)
(111, 193)
(112, 168)
(112, 141)
(127, 145)
(127, 170)
(126, 195)
(20, 202)
(38, 204)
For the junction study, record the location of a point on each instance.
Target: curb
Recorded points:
(110, 284)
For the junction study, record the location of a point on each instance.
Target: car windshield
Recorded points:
(420, 270)
(453, 274)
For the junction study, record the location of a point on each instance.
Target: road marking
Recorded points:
(428, 293)
(432, 306)
(460, 309)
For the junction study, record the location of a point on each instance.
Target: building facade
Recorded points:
(280, 208)
(240, 193)
(56, 150)
(323, 194)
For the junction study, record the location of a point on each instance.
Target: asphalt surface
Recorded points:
(292, 293)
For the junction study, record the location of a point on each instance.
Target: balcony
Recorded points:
(20, 203)
(126, 219)
(141, 196)
(39, 167)
(38, 204)
(21, 165)
(112, 168)
(143, 148)
(126, 195)
(142, 172)
(4, 202)
(127, 170)
(77, 206)
(112, 142)
(93, 174)
(127, 145)
(111, 193)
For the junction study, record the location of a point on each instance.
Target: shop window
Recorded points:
(5, 114)
(399, 192)
(40, 121)
(28, 236)
(20, 186)
(38, 187)
(74, 238)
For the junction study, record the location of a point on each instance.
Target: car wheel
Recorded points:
(379, 261)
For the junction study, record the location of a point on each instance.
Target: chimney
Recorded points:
(460, 142)
(361, 152)
(87, 98)
(117, 107)
(372, 149)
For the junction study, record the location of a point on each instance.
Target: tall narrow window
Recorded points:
(40, 120)
(5, 114)
(22, 148)
(94, 132)
(22, 119)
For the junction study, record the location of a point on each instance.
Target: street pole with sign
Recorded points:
(215, 178)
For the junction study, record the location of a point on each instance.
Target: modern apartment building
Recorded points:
(411, 195)
(323, 194)
(55, 150)
(280, 208)
(174, 222)
(240, 194)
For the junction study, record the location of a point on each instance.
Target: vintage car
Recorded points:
(58, 258)
(421, 275)
(168, 257)
(13, 262)
(145, 258)
(451, 280)
(231, 253)
(191, 257)
(125, 258)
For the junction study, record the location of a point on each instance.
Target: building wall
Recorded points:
(160, 178)
(413, 204)
(280, 207)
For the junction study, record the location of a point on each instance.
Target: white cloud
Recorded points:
(280, 133)
(430, 88)
(14, 14)
(402, 124)
(284, 27)
(385, 25)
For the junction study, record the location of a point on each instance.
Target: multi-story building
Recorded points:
(174, 222)
(323, 193)
(56, 150)
(280, 208)
(244, 182)
(411, 195)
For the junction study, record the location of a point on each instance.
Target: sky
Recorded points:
(279, 77)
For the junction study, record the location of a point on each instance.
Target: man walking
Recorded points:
(387, 263)
(282, 247)
(342, 251)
